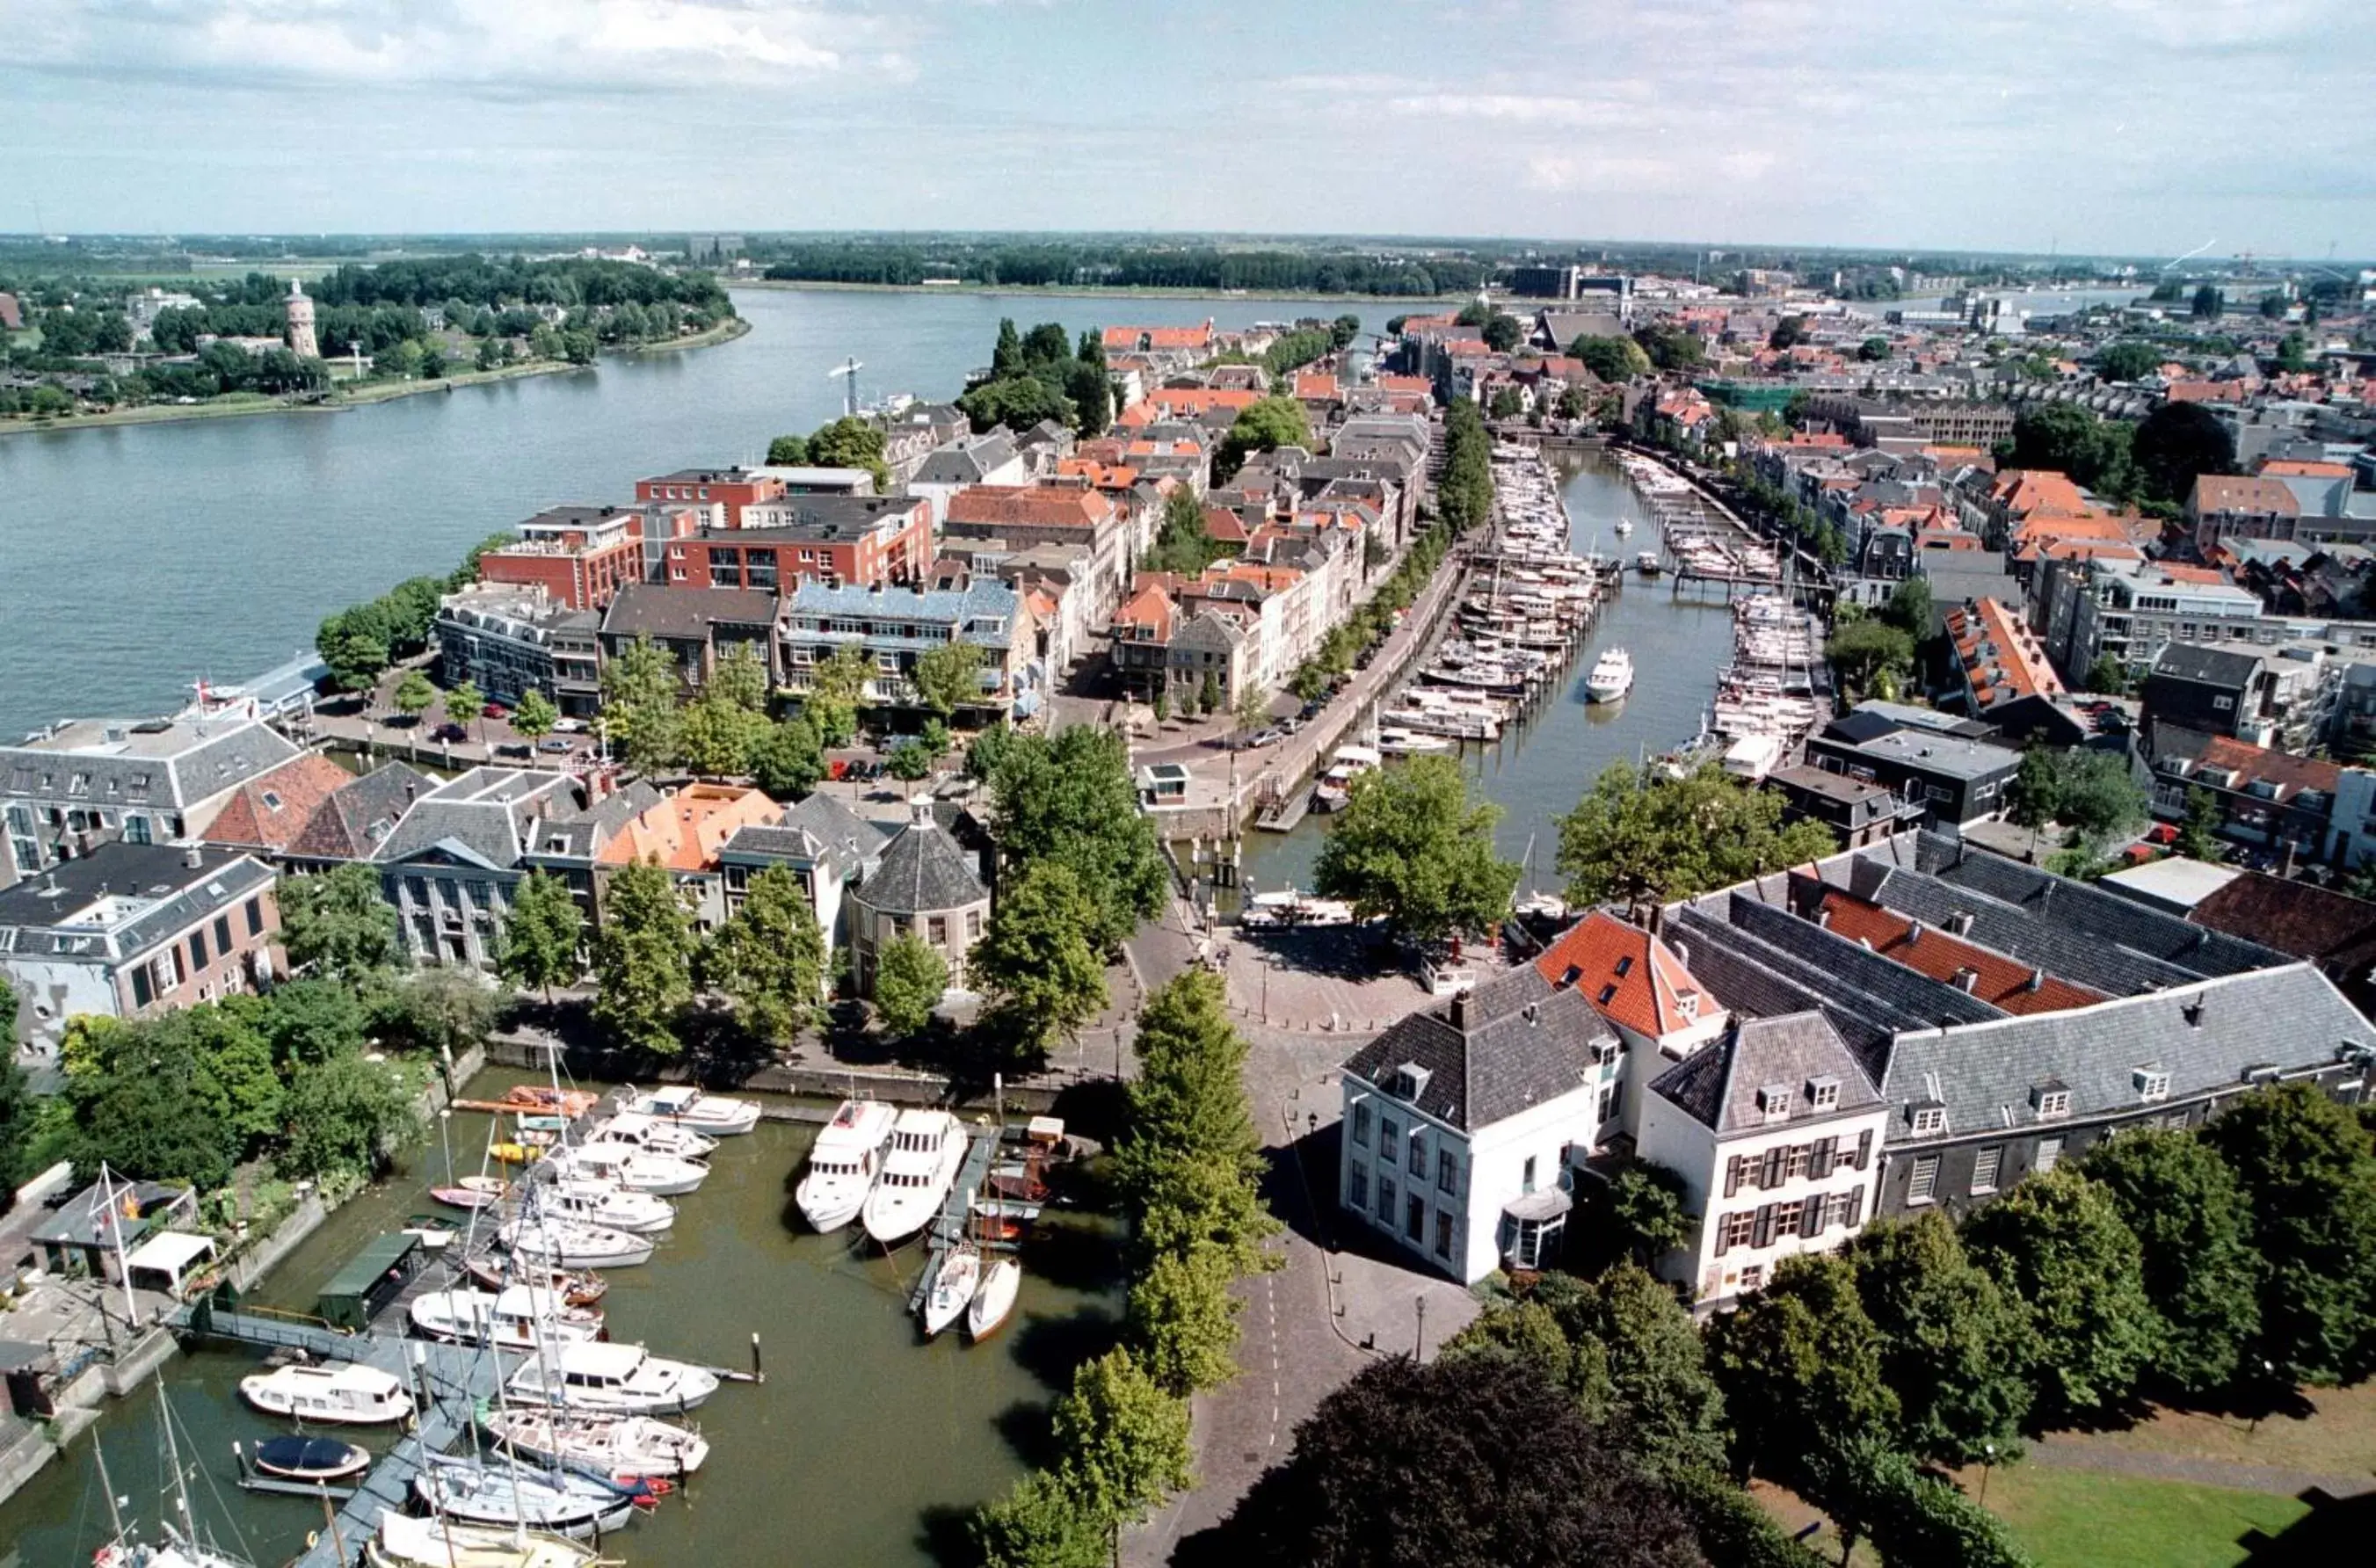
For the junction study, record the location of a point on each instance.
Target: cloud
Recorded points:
(454, 46)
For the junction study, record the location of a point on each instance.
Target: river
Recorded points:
(1538, 768)
(863, 1446)
(140, 558)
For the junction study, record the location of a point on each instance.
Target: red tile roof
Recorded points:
(2001, 657)
(1043, 506)
(1997, 980)
(1632, 977)
(2229, 492)
(269, 811)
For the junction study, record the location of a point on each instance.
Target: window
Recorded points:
(2151, 1083)
(1754, 1277)
(181, 974)
(222, 934)
(143, 992)
(937, 929)
(1733, 1230)
(2050, 1153)
(1416, 1160)
(1925, 1178)
(1609, 1098)
(1357, 1190)
(1443, 1235)
(1385, 1198)
(1984, 1167)
(1414, 1218)
(136, 829)
(1847, 1207)
(1823, 1094)
(255, 917)
(1447, 1171)
(1527, 1176)
(1775, 1101)
(2052, 1103)
(197, 950)
(1929, 1121)
(973, 925)
(1361, 1126)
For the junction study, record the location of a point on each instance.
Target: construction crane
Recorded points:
(849, 390)
(2188, 255)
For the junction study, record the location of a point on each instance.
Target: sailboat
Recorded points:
(953, 1287)
(993, 1299)
(403, 1542)
(476, 1492)
(612, 1448)
(178, 1543)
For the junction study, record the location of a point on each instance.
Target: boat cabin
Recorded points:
(372, 1277)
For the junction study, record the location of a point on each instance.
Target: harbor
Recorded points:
(870, 1437)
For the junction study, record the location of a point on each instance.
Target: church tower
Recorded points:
(301, 323)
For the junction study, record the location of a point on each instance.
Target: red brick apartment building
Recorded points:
(581, 556)
(840, 541)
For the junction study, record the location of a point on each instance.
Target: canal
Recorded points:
(1539, 766)
(863, 1447)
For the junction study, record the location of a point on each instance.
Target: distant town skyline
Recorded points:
(2128, 128)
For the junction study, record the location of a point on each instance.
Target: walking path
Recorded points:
(2086, 1453)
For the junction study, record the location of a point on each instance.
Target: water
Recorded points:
(1537, 769)
(142, 558)
(862, 1447)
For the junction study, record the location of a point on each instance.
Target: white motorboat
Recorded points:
(520, 1317)
(993, 1299)
(928, 1149)
(1611, 677)
(635, 1130)
(612, 1448)
(479, 1493)
(615, 1208)
(843, 1162)
(1622, 527)
(566, 1243)
(1285, 909)
(348, 1395)
(1412, 742)
(620, 1380)
(953, 1287)
(715, 1115)
(619, 1165)
(403, 1542)
(1649, 564)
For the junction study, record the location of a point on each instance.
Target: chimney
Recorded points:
(2037, 980)
(1824, 919)
(193, 857)
(1966, 979)
(2193, 1011)
(1913, 932)
(1459, 1012)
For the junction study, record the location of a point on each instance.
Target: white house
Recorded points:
(1458, 1121)
(1776, 1129)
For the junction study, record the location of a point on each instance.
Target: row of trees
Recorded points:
(1042, 374)
(2154, 461)
(1188, 1167)
(1464, 496)
(846, 443)
(1813, 532)
(495, 282)
(361, 642)
(1369, 626)
(906, 262)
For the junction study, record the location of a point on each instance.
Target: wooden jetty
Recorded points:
(948, 1227)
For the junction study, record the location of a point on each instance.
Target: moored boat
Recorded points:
(351, 1395)
(953, 1287)
(309, 1460)
(613, 1448)
(928, 1149)
(479, 1493)
(565, 1243)
(462, 1195)
(715, 1115)
(993, 1299)
(625, 1380)
(652, 1135)
(615, 1208)
(1611, 677)
(622, 1166)
(576, 1288)
(403, 1542)
(843, 1163)
(519, 1317)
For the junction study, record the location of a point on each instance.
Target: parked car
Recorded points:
(559, 748)
(569, 726)
(449, 732)
(494, 710)
(514, 748)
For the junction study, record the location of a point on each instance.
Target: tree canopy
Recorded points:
(1953, 1344)
(2177, 442)
(643, 960)
(543, 934)
(2193, 1226)
(1410, 847)
(1037, 957)
(2057, 1244)
(1641, 837)
(336, 924)
(1071, 799)
(1610, 359)
(769, 958)
(909, 980)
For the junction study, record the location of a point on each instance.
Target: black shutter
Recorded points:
(1856, 1205)
(1732, 1176)
(1819, 1162)
(1864, 1148)
(1772, 1175)
(1811, 1218)
(1724, 1235)
(1761, 1234)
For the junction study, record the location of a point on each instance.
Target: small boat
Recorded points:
(309, 1460)
(471, 1198)
(562, 1243)
(576, 1288)
(518, 1317)
(1019, 1179)
(1622, 527)
(953, 1287)
(689, 1107)
(928, 1149)
(615, 1208)
(479, 1493)
(1412, 742)
(572, 1103)
(514, 1153)
(613, 1448)
(1611, 677)
(843, 1162)
(623, 1380)
(652, 1135)
(622, 1166)
(1019, 1211)
(993, 1299)
(403, 1542)
(348, 1395)
(433, 1234)
(1649, 564)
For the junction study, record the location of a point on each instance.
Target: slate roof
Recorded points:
(2015, 932)
(484, 816)
(923, 871)
(580, 836)
(1504, 1048)
(359, 814)
(168, 763)
(1717, 1084)
(1932, 1000)
(818, 830)
(969, 460)
(155, 894)
(2209, 663)
(2204, 1036)
(657, 609)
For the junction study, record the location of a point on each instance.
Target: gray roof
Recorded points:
(974, 607)
(820, 830)
(2016, 932)
(1948, 755)
(164, 763)
(2204, 1036)
(657, 609)
(967, 460)
(122, 900)
(580, 836)
(923, 871)
(1719, 1085)
(358, 815)
(484, 816)
(2212, 664)
(1517, 1043)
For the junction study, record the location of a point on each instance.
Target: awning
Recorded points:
(1549, 1203)
(170, 1252)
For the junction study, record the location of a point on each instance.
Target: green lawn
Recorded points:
(2093, 1519)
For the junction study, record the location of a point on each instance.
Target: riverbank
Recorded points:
(1091, 292)
(356, 396)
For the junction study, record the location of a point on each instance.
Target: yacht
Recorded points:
(1647, 564)
(479, 1493)
(688, 1107)
(520, 1317)
(615, 1208)
(1611, 677)
(993, 1299)
(565, 1244)
(848, 1151)
(953, 1287)
(620, 1380)
(348, 1395)
(1622, 527)
(613, 1448)
(403, 1542)
(578, 1287)
(635, 1130)
(620, 1165)
(1400, 742)
(928, 1149)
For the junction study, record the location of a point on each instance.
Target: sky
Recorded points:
(2135, 126)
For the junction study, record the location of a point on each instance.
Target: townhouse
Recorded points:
(990, 458)
(451, 862)
(694, 627)
(894, 627)
(827, 848)
(1999, 659)
(1018, 517)
(508, 640)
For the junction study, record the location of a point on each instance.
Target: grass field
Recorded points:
(2092, 1519)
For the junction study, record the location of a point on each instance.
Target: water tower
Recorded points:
(301, 341)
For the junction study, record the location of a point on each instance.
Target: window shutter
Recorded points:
(1762, 1235)
(1732, 1176)
(1856, 1205)
(1864, 1148)
(1811, 1216)
(1819, 1164)
(1724, 1235)
(1772, 1175)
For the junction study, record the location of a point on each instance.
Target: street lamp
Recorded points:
(1418, 1345)
(1988, 1468)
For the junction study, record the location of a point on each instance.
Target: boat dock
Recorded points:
(948, 1227)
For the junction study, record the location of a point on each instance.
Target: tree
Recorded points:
(1183, 544)
(1639, 836)
(1040, 1524)
(1799, 1364)
(146, 1113)
(1208, 693)
(716, 734)
(1953, 1347)
(1788, 333)
(414, 695)
(1908, 608)
(2193, 1225)
(1471, 1461)
(2293, 351)
(740, 679)
(639, 708)
(2304, 1165)
(1017, 402)
(1506, 403)
(2177, 442)
(1072, 799)
(1638, 1214)
(835, 688)
(788, 452)
(1264, 426)
(543, 934)
(335, 923)
(910, 981)
(1871, 656)
(343, 1115)
(643, 960)
(1125, 1441)
(1873, 351)
(1036, 957)
(1184, 1322)
(1188, 1110)
(2058, 1245)
(534, 718)
(1610, 359)
(1007, 354)
(2128, 360)
(2066, 438)
(578, 347)
(1913, 1520)
(911, 760)
(851, 443)
(787, 760)
(2209, 303)
(769, 958)
(1503, 332)
(2109, 676)
(2198, 835)
(1671, 347)
(1409, 845)
(949, 677)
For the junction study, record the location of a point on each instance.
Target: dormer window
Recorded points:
(1625, 966)
(2152, 1081)
(1608, 993)
(2052, 1100)
(1929, 1121)
(1774, 1100)
(1823, 1094)
(1410, 1081)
